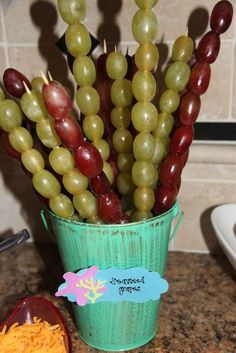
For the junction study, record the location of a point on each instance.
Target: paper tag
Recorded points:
(91, 285)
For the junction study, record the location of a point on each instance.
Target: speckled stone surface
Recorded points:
(197, 315)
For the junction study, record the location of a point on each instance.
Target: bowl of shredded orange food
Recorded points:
(35, 326)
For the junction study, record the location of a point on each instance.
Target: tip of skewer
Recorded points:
(50, 76)
(104, 46)
(26, 88)
(115, 49)
(45, 80)
(186, 32)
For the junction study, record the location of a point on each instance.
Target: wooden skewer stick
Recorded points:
(104, 46)
(50, 76)
(26, 88)
(45, 80)
(186, 32)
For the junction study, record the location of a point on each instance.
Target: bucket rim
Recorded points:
(173, 210)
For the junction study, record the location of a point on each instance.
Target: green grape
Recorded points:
(72, 11)
(84, 71)
(120, 117)
(32, 160)
(20, 139)
(75, 182)
(78, 41)
(46, 133)
(121, 93)
(125, 162)
(33, 106)
(144, 199)
(61, 160)
(182, 49)
(94, 220)
(125, 183)
(138, 216)
(146, 4)
(143, 146)
(122, 140)
(103, 148)
(10, 115)
(146, 56)
(166, 142)
(76, 218)
(164, 125)
(116, 65)
(177, 76)
(159, 152)
(46, 184)
(144, 86)
(37, 84)
(86, 204)
(144, 116)
(144, 26)
(62, 206)
(143, 173)
(169, 101)
(88, 100)
(107, 169)
(93, 127)
(2, 95)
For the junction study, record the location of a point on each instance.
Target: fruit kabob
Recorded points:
(78, 44)
(122, 139)
(144, 114)
(44, 182)
(206, 54)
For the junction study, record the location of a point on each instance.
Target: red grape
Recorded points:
(189, 108)
(115, 169)
(57, 100)
(100, 184)
(103, 88)
(69, 132)
(178, 184)
(8, 147)
(109, 208)
(193, 59)
(199, 78)
(164, 198)
(185, 156)
(208, 48)
(221, 17)
(171, 169)
(13, 82)
(101, 67)
(105, 115)
(181, 139)
(88, 160)
(124, 219)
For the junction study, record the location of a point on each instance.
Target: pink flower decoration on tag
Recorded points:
(82, 286)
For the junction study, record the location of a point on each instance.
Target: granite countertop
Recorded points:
(197, 315)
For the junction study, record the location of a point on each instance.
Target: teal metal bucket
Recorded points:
(124, 325)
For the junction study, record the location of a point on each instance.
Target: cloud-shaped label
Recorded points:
(92, 285)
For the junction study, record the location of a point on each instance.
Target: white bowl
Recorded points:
(223, 219)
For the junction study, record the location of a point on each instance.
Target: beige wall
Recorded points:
(29, 30)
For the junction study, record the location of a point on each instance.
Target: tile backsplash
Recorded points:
(29, 31)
